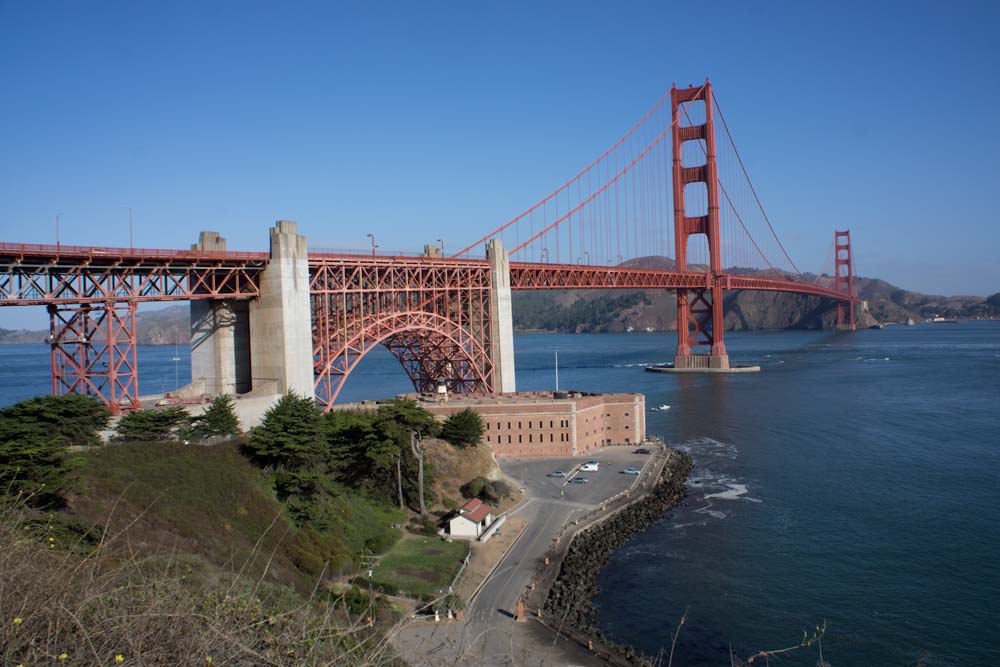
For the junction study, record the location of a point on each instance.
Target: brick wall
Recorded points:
(539, 425)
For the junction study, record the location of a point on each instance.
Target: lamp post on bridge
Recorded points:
(58, 215)
(441, 243)
(372, 237)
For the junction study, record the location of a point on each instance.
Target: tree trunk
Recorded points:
(399, 479)
(418, 452)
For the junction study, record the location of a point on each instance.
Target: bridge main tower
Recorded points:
(843, 265)
(699, 311)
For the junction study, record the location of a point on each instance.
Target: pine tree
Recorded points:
(463, 429)
(218, 419)
(72, 419)
(290, 436)
(34, 435)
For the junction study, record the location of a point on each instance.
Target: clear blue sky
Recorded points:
(416, 121)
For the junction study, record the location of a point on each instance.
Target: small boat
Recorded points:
(662, 408)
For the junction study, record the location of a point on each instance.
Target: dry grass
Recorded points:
(73, 604)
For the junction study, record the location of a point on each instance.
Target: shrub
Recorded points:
(33, 465)
(156, 425)
(486, 490)
(355, 600)
(463, 429)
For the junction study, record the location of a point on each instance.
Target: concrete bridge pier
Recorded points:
(220, 338)
(281, 355)
(501, 318)
(264, 345)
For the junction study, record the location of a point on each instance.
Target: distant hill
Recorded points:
(655, 310)
(166, 326)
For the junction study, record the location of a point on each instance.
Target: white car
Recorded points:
(589, 467)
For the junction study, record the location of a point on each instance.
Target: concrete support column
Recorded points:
(220, 361)
(281, 319)
(501, 318)
(214, 347)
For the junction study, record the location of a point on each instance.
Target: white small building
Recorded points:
(472, 519)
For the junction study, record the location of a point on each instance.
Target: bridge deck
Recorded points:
(34, 274)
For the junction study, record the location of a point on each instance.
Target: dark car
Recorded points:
(579, 480)
(643, 451)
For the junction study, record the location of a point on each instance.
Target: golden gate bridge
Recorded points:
(669, 206)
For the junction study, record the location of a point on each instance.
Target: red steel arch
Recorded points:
(431, 348)
(433, 314)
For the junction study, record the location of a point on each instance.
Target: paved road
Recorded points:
(486, 635)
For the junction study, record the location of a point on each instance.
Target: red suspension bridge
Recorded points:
(669, 206)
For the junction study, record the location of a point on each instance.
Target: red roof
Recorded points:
(472, 505)
(475, 510)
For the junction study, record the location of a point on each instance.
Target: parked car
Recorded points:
(643, 451)
(632, 471)
(589, 467)
(579, 480)
(557, 473)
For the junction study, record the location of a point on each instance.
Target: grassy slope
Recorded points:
(210, 501)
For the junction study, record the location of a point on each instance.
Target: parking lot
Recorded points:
(486, 636)
(607, 481)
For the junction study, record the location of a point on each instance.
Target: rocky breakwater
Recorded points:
(570, 599)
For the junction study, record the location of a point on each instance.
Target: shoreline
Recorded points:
(568, 602)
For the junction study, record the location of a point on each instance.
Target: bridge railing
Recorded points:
(366, 252)
(103, 251)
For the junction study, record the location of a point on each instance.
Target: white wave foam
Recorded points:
(707, 509)
(732, 493)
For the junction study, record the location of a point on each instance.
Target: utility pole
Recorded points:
(130, 246)
(418, 452)
(557, 370)
(399, 478)
(370, 561)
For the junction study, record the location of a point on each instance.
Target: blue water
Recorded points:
(855, 481)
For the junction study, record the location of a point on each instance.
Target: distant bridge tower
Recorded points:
(699, 311)
(844, 278)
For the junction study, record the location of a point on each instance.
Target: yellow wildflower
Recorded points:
(63, 655)
(119, 658)
(208, 660)
(18, 620)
